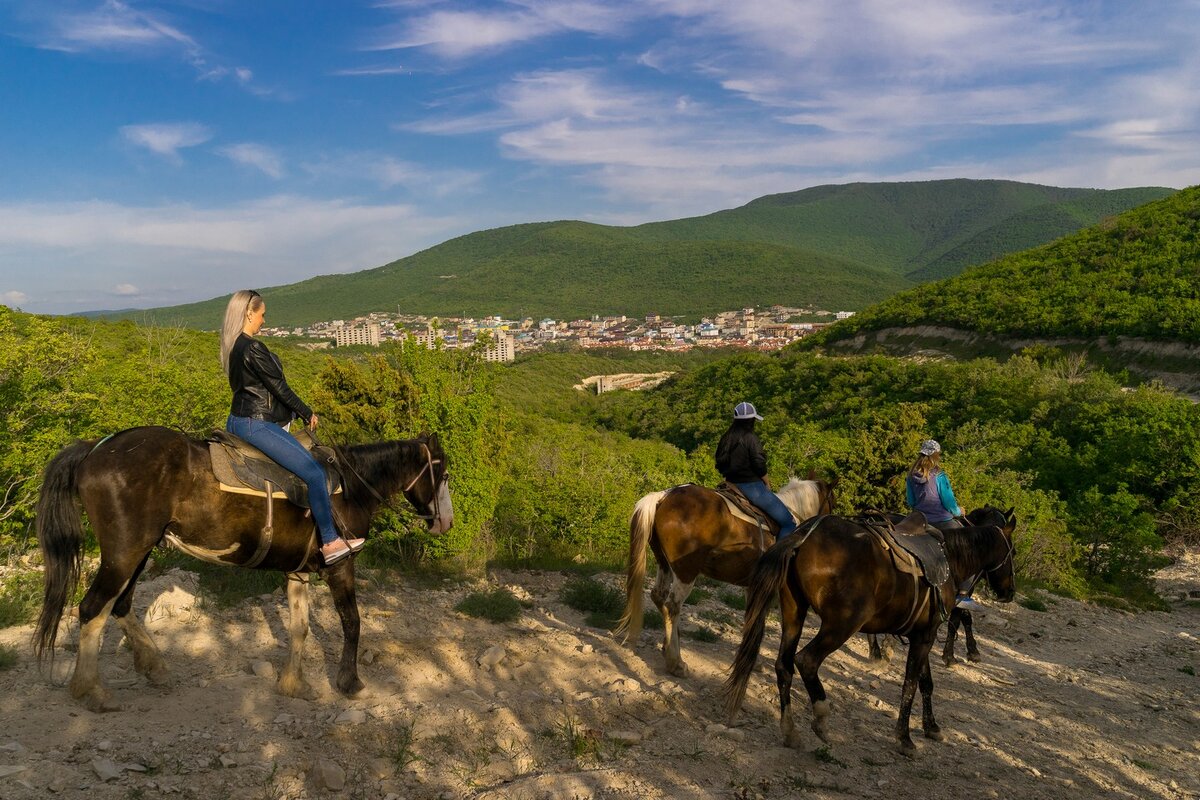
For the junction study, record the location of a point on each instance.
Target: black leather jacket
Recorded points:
(740, 457)
(259, 388)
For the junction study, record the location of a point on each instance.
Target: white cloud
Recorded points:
(168, 138)
(13, 298)
(457, 34)
(126, 290)
(180, 253)
(389, 172)
(258, 156)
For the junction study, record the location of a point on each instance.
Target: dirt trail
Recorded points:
(1076, 701)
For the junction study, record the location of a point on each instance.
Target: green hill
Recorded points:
(840, 247)
(1137, 274)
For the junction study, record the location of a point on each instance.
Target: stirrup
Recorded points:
(337, 555)
(355, 545)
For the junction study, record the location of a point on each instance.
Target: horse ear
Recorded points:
(812, 474)
(1009, 514)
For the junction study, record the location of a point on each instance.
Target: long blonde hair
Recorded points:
(926, 465)
(242, 303)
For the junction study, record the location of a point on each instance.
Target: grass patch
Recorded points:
(733, 599)
(8, 657)
(579, 741)
(826, 756)
(224, 587)
(20, 598)
(653, 620)
(1188, 670)
(698, 595)
(589, 594)
(498, 605)
(703, 634)
(404, 739)
(718, 615)
(1032, 603)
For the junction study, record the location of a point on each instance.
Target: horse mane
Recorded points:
(383, 465)
(803, 498)
(973, 544)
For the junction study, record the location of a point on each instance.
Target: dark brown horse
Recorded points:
(691, 532)
(961, 616)
(840, 569)
(988, 515)
(144, 485)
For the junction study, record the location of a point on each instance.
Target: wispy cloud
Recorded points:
(389, 172)
(120, 27)
(13, 298)
(257, 156)
(166, 139)
(459, 33)
(126, 290)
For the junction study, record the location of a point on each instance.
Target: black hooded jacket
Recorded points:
(740, 457)
(259, 388)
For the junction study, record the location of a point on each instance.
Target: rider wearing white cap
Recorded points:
(927, 489)
(741, 461)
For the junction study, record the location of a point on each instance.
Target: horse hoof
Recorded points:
(351, 688)
(101, 703)
(906, 748)
(680, 670)
(298, 688)
(159, 676)
(936, 735)
(974, 658)
(821, 732)
(792, 740)
(950, 661)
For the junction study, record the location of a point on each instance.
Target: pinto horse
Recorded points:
(144, 485)
(691, 532)
(841, 570)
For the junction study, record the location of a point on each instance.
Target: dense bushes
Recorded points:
(1097, 473)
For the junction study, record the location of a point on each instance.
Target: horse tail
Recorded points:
(770, 575)
(60, 534)
(640, 526)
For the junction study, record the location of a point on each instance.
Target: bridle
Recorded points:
(1008, 555)
(434, 483)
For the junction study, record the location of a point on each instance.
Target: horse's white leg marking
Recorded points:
(85, 683)
(146, 658)
(291, 680)
(674, 604)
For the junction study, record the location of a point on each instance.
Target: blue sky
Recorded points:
(154, 153)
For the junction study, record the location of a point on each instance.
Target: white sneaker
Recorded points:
(968, 603)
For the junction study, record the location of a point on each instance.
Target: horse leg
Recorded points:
(916, 670)
(147, 660)
(956, 616)
(811, 657)
(932, 731)
(94, 609)
(341, 586)
(969, 633)
(666, 595)
(291, 679)
(792, 613)
(876, 655)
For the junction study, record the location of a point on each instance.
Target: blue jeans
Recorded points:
(283, 448)
(764, 498)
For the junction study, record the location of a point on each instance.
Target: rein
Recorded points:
(428, 467)
(1007, 555)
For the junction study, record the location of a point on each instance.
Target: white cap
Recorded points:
(929, 447)
(745, 411)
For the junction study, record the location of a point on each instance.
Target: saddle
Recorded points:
(741, 507)
(241, 468)
(916, 547)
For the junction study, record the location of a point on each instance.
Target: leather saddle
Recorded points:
(916, 547)
(741, 507)
(241, 468)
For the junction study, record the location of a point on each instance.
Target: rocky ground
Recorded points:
(1073, 701)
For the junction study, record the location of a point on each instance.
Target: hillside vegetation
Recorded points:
(839, 247)
(1137, 274)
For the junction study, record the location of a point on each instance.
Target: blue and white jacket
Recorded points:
(933, 497)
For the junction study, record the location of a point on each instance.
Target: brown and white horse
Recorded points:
(691, 532)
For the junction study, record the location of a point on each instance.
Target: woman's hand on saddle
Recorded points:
(312, 422)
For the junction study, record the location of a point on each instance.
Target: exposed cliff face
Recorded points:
(1175, 364)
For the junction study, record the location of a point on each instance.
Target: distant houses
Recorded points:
(504, 339)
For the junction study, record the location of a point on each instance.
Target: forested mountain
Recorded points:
(838, 247)
(1137, 274)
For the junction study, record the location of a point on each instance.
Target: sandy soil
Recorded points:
(1076, 701)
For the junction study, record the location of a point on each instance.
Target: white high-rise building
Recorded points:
(362, 333)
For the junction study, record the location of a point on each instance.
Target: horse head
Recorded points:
(1001, 577)
(429, 488)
